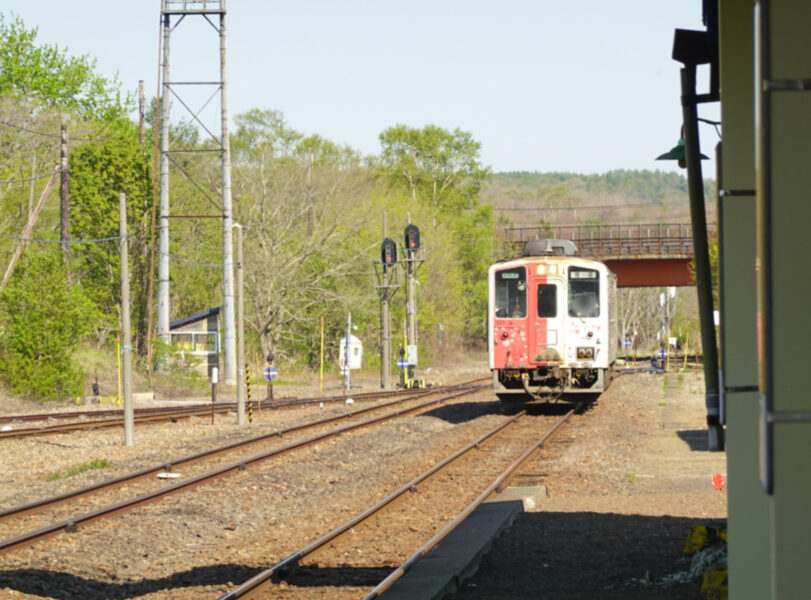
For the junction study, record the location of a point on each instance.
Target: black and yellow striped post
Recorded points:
(248, 389)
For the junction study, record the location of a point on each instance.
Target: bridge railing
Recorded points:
(602, 241)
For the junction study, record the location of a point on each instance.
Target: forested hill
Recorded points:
(532, 198)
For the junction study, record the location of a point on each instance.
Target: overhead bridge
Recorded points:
(640, 255)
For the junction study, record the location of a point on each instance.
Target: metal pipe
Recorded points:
(228, 341)
(695, 184)
(163, 210)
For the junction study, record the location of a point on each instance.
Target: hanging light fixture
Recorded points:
(677, 153)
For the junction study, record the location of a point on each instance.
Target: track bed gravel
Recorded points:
(624, 487)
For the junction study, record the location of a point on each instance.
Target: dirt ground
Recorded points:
(625, 484)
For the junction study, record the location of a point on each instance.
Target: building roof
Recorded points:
(194, 318)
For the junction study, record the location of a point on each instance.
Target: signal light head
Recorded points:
(412, 237)
(388, 252)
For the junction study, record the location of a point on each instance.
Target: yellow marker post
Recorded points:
(686, 350)
(119, 399)
(321, 386)
(248, 385)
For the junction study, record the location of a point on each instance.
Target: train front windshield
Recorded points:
(584, 292)
(511, 293)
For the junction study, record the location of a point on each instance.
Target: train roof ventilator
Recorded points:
(550, 247)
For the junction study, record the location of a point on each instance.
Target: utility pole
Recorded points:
(310, 191)
(229, 335)
(64, 191)
(32, 185)
(126, 337)
(141, 108)
(240, 331)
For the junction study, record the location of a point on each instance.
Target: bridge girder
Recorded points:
(651, 272)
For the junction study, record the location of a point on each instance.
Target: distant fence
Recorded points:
(602, 241)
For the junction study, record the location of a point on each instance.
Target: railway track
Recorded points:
(486, 464)
(36, 521)
(93, 419)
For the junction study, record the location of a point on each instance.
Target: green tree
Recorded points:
(436, 165)
(44, 320)
(47, 73)
(307, 245)
(99, 173)
(441, 169)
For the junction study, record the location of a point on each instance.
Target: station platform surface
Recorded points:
(457, 557)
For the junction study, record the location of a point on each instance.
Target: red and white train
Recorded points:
(551, 323)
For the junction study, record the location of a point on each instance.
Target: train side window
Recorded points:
(584, 292)
(547, 300)
(511, 293)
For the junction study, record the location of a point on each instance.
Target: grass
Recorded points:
(632, 477)
(96, 463)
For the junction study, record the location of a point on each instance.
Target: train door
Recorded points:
(509, 339)
(547, 332)
(587, 323)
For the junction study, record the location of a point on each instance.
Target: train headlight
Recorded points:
(585, 353)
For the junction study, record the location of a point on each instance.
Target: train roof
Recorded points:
(537, 260)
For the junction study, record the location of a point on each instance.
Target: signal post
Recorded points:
(386, 288)
(412, 246)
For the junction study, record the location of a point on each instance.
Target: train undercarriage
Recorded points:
(547, 383)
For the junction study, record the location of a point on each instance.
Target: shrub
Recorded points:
(44, 320)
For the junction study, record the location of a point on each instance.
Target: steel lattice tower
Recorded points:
(212, 11)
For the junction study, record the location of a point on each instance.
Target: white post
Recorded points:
(126, 338)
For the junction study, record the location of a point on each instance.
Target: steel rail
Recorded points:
(495, 487)
(71, 524)
(112, 422)
(46, 503)
(230, 404)
(106, 413)
(260, 579)
(112, 418)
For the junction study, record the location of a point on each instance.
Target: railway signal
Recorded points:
(388, 253)
(412, 237)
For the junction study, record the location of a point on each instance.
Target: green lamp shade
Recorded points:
(676, 153)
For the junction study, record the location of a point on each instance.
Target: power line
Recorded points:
(35, 178)
(35, 132)
(105, 240)
(157, 251)
(41, 241)
(51, 135)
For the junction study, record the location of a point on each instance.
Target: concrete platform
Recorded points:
(457, 557)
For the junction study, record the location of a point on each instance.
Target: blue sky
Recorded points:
(584, 86)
